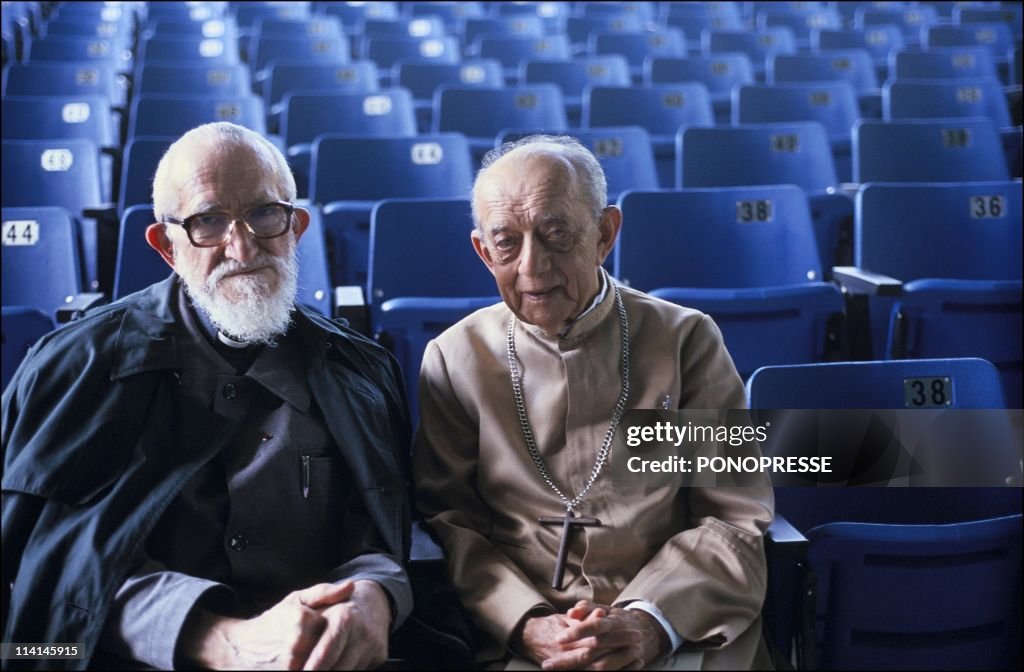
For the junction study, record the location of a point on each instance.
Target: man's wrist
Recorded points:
(383, 600)
(669, 639)
(515, 640)
(205, 639)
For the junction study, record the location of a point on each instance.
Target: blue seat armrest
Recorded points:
(80, 303)
(350, 306)
(856, 280)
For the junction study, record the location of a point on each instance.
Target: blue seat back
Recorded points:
(579, 28)
(172, 115)
(762, 154)
(661, 108)
(996, 37)
(405, 27)
(904, 99)
(511, 50)
(573, 76)
(927, 150)
(267, 49)
(312, 28)
(377, 113)
(58, 117)
(138, 166)
(80, 50)
(483, 112)
(636, 47)
(209, 80)
(1009, 13)
(757, 45)
(872, 576)
(854, 66)
(315, 289)
(181, 50)
(63, 173)
(910, 20)
(800, 24)
(70, 79)
(423, 79)
(500, 26)
(749, 237)
(138, 264)
(370, 169)
(441, 229)
(35, 239)
(877, 40)
(833, 104)
(287, 77)
(943, 63)
(964, 231)
(386, 51)
(719, 72)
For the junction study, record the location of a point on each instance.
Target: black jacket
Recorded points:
(93, 454)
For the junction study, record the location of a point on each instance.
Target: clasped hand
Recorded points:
(594, 637)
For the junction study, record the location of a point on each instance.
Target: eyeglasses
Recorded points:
(210, 229)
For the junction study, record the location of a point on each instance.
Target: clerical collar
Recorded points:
(601, 294)
(231, 342)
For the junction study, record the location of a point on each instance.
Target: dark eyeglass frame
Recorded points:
(189, 222)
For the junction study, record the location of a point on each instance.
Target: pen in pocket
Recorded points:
(305, 476)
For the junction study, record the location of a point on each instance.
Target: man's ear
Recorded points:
(481, 249)
(301, 222)
(608, 229)
(156, 236)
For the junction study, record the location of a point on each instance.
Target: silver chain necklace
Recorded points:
(620, 407)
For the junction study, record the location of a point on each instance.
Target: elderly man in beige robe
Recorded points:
(519, 402)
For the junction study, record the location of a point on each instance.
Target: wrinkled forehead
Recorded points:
(223, 178)
(526, 181)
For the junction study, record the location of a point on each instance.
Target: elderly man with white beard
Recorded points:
(205, 473)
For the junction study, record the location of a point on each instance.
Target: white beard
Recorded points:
(254, 314)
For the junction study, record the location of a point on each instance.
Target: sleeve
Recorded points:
(150, 608)
(491, 587)
(709, 580)
(386, 571)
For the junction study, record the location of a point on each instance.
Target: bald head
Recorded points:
(584, 180)
(216, 145)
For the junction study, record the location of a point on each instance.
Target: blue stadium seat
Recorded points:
(579, 28)
(265, 50)
(833, 104)
(764, 154)
(199, 80)
(661, 109)
(473, 28)
(22, 327)
(910, 20)
(972, 567)
(877, 40)
(349, 174)
(481, 113)
(387, 51)
(552, 14)
(957, 251)
(719, 73)
(756, 271)
(138, 264)
(907, 99)
(385, 112)
(214, 27)
(286, 77)
(996, 37)
(66, 174)
(173, 115)
(625, 154)
(250, 13)
(573, 76)
(405, 27)
(80, 50)
(451, 13)
(800, 24)
(354, 15)
(423, 79)
(1009, 13)
(41, 259)
(512, 50)
(56, 117)
(642, 11)
(943, 63)
(314, 28)
(757, 45)
(927, 150)
(854, 66)
(694, 25)
(638, 46)
(411, 303)
(138, 166)
(65, 79)
(182, 50)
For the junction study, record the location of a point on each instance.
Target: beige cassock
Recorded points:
(696, 553)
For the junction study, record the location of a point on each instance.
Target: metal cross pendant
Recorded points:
(566, 521)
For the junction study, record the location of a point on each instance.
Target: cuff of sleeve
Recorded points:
(163, 640)
(675, 640)
(388, 573)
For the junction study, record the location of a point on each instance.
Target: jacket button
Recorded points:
(239, 542)
(229, 391)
